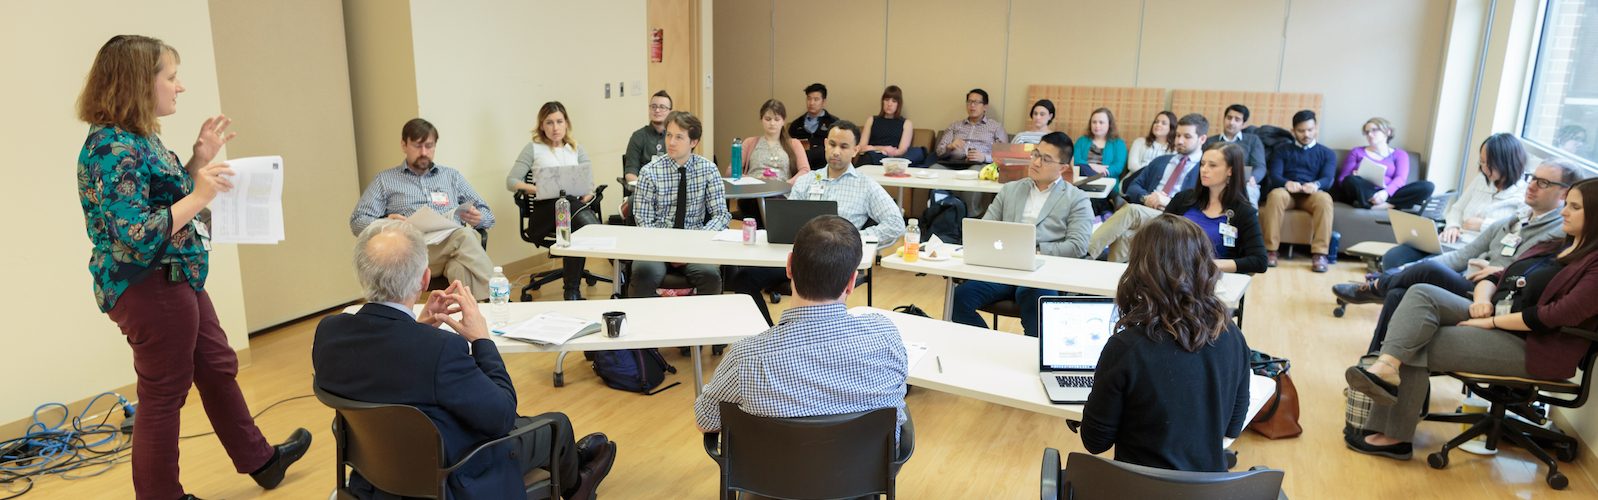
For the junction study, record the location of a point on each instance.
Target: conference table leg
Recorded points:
(617, 290)
(699, 372)
(948, 298)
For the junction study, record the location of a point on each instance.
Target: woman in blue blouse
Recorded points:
(1219, 205)
(145, 214)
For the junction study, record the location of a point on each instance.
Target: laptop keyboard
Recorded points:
(1074, 380)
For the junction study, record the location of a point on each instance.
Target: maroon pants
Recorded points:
(177, 341)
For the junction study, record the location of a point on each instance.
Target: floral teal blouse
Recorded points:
(127, 184)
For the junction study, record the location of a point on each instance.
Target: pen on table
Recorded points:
(939, 359)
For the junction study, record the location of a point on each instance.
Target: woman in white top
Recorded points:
(553, 146)
(1042, 117)
(1495, 195)
(1158, 142)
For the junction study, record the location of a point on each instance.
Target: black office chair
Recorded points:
(830, 456)
(397, 449)
(1087, 477)
(1512, 396)
(533, 229)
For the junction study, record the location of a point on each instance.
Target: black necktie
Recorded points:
(682, 197)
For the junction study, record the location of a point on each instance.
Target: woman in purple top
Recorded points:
(1395, 191)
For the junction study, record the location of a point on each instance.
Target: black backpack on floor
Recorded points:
(633, 370)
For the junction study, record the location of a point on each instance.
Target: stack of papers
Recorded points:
(551, 329)
(744, 181)
(253, 211)
(433, 225)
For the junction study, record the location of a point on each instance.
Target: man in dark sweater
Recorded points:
(1299, 175)
(811, 128)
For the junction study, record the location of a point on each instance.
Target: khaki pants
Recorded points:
(1117, 232)
(1319, 206)
(461, 257)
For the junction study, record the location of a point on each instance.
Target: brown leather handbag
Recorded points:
(1279, 417)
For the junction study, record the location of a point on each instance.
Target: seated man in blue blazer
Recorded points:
(1062, 214)
(1153, 188)
(383, 354)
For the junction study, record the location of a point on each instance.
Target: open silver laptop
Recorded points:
(574, 180)
(1418, 232)
(1072, 333)
(1010, 245)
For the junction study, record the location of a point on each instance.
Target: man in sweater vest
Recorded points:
(1299, 175)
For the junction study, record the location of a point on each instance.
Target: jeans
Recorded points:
(974, 294)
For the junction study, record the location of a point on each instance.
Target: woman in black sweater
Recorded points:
(1219, 205)
(1173, 380)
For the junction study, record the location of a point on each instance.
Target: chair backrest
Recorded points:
(394, 447)
(1087, 477)
(832, 456)
(1588, 364)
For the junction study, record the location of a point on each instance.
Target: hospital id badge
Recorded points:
(203, 233)
(1508, 251)
(816, 190)
(1228, 241)
(1510, 240)
(438, 199)
(1229, 231)
(1506, 306)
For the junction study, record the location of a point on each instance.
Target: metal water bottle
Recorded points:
(737, 170)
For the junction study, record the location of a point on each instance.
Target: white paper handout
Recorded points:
(551, 328)
(252, 212)
(433, 225)
(913, 352)
(744, 181)
(1374, 172)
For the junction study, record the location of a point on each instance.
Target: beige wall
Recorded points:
(1006, 45)
(284, 80)
(382, 81)
(57, 335)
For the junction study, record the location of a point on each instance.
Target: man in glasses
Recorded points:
(971, 139)
(1153, 188)
(648, 142)
(1501, 243)
(1063, 216)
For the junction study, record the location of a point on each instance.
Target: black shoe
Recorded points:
(283, 455)
(594, 468)
(1358, 293)
(1368, 383)
(590, 446)
(1400, 451)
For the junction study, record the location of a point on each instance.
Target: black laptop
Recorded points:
(785, 217)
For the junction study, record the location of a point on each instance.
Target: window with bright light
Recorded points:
(1562, 109)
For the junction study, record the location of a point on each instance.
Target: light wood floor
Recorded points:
(965, 448)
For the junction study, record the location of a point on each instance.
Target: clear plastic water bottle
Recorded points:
(737, 169)
(499, 298)
(563, 222)
(912, 240)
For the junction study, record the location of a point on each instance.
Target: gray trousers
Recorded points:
(646, 277)
(1420, 338)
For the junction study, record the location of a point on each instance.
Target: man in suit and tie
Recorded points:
(1062, 214)
(384, 354)
(1153, 189)
(1234, 126)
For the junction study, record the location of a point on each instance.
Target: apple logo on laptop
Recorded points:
(1414, 233)
(998, 244)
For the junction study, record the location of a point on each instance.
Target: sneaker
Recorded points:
(1270, 258)
(1318, 263)
(1400, 451)
(1358, 292)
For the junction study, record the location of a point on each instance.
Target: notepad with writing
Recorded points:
(552, 328)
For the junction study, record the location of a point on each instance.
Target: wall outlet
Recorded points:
(607, 90)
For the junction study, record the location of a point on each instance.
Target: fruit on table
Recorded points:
(990, 172)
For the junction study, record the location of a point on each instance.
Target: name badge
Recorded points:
(1506, 306)
(1229, 231)
(1228, 241)
(816, 190)
(1511, 240)
(438, 199)
(1508, 251)
(203, 233)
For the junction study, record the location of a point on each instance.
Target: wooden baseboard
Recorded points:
(17, 428)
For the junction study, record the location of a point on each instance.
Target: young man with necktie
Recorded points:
(681, 190)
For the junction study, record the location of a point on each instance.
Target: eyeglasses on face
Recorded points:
(1541, 183)
(1038, 156)
(661, 107)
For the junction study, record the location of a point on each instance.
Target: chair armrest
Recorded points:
(907, 441)
(713, 446)
(1049, 486)
(531, 426)
(1074, 425)
(1579, 332)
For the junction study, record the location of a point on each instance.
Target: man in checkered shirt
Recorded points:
(819, 359)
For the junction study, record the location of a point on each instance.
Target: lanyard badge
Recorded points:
(1228, 232)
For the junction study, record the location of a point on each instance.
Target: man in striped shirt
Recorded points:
(819, 359)
(680, 190)
(397, 193)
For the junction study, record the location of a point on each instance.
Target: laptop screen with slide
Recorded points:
(1073, 331)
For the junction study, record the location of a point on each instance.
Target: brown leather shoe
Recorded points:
(1317, 263)
(599, 457)
(1270, 259)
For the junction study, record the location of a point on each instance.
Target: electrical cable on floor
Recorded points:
(64, 449)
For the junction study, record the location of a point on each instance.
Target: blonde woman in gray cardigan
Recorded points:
(553, 146)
